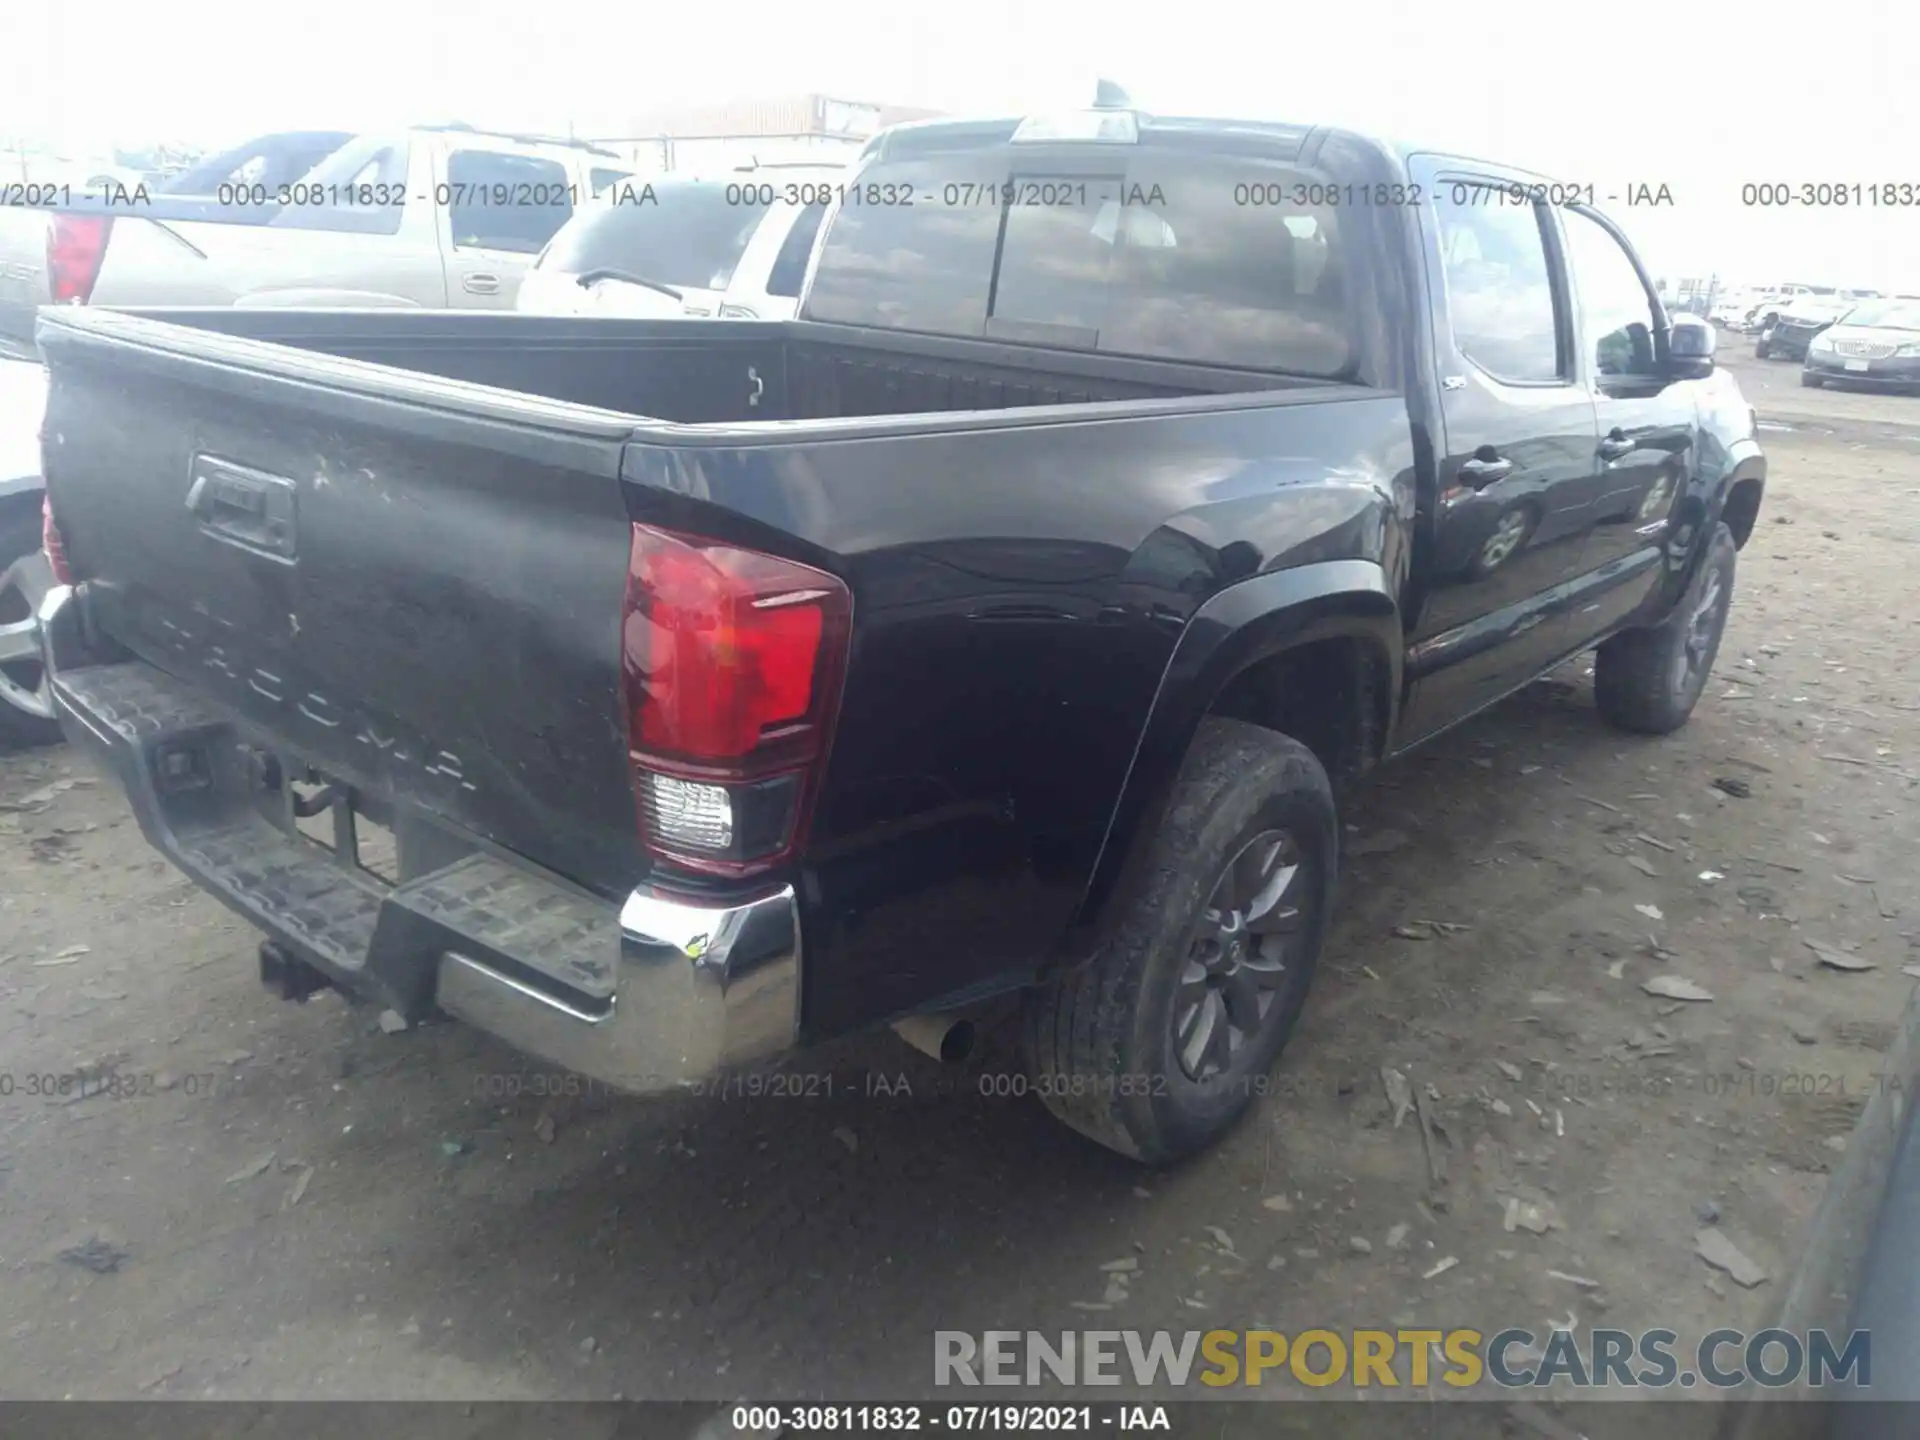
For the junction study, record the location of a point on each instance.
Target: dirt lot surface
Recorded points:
(293, 1203)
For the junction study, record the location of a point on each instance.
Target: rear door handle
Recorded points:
(1616, 445)
(1480, 473)
(480, 283)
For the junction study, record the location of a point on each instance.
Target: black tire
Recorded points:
(1100, 1042)
(1811, 380)
(1760, 351)
(1639, 680)
(19, 540)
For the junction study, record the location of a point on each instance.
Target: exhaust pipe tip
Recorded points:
(947, 1038)
(957, 1044)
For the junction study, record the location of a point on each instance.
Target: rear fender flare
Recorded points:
(1238, 627)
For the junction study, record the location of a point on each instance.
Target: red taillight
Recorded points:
(733, 664)
(76, 244)
(51, 542)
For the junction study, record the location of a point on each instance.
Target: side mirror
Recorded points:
(1690, 346)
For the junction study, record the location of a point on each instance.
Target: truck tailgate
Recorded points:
(412, 584)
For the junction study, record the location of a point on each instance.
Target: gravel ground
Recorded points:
(291, 1203)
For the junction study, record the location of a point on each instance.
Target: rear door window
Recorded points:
(1499, 287)
(271, 161)
(361, 187)
(688, 234)
(1208, 259)
(498, 201)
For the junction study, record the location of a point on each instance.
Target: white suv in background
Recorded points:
(735, 246)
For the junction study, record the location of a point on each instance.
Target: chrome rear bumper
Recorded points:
(698, 991)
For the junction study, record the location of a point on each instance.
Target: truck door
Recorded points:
(501, 207)
(1646, 425)
(1515, 461)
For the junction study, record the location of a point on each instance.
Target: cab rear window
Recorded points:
(1202, 259)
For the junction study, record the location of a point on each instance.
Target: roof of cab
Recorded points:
(937, 137)
(1273, 139)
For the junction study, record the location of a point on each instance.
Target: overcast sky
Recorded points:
(1692, 95)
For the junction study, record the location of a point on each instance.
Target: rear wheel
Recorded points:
(26, 705)
(1157, 1046)
(1760, 351)
(1649, 680)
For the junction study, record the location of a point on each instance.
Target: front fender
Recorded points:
(1745, 461)
(1238, 627)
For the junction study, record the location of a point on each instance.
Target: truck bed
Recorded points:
(415, 588)
(696, 372)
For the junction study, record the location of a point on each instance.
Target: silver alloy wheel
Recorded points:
(1703, 624)
(23, 681)
(1238, 960)
(1505, 539)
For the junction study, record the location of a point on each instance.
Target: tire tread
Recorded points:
(1077, 1026)
(1630, 670)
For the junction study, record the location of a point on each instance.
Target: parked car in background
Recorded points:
(1730, 307)
(25, 710)
(435, 217)
(265, 161)
(1877, 342)
(34, 248)
(1759, 314)
(1690, 296)
(39, 257)
(1786, 336)
(736, 246)
(1079, 562)
(1766, 306)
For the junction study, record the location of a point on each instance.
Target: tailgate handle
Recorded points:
(244, 507)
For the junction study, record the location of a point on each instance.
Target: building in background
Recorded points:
(786, 130)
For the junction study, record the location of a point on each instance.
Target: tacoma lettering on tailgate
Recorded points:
(217, 652)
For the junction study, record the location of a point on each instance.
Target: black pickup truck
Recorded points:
(661, 695)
